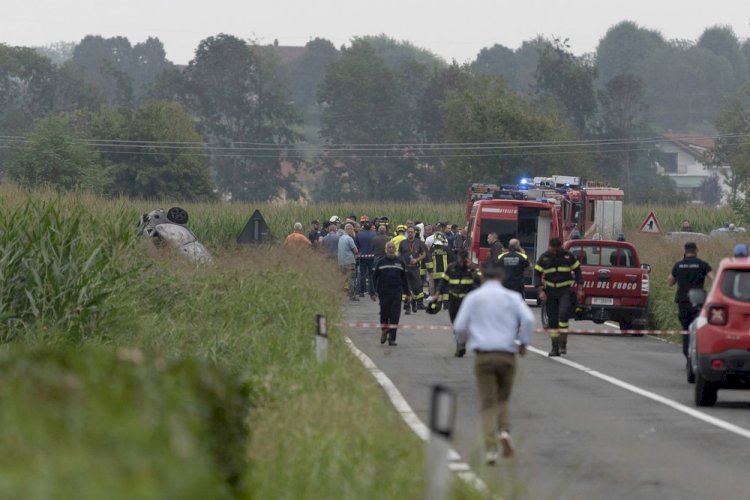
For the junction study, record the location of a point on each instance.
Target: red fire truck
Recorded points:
(538, 209)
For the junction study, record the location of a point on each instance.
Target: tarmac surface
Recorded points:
(578, 436)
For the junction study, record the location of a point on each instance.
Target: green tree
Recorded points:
(731, 148)
(487, 111)
(307, 72)
(52, 156)
(710, 190)
(27, 84)
(517, 67)
(154, 152)
(624, 49)
(239, 96)
(568, 81)
(105, 64)
(364, 102)
(722, 41)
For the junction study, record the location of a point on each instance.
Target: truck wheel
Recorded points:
(705, 391)
(689, 372)
(543, 314)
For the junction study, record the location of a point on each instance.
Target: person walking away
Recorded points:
(496, 323)
(460, 278)
(688, 274)
(296, 239)
(378, 243)
(413, 251)
(347, 252)
(331, 241)
(496, 247)
(389, 278)
(364, 242)
(514, 263)
(400, 236)
(553, 280)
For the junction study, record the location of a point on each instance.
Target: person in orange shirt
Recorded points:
(296, 239)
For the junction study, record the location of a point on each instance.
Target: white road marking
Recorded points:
(692, 412)
(457, 464)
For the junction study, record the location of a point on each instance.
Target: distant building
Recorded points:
(682, 159)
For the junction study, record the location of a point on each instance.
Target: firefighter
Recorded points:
(553, 280)
(514, 262)
(390, 283)
(413, 251)
(460, 278)
(440, 258)
(400, 236)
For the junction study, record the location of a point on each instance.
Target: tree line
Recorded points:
(378, 118)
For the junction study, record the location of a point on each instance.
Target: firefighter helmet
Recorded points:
(400, 228)
(440, 239)
(432, 307)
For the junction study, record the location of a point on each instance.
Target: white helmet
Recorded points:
(335, 219)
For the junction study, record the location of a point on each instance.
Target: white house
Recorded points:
(682, 160)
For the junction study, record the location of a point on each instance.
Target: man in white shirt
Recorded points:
(496, 323)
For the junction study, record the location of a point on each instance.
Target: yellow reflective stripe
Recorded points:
(554, 334)
(438, 276)
(502, 255)
(576, 265)
(564, 269)
(466, 281)
(539, 268)
(445, 296)
(548, 271)
(562, 324)
(558, 285)
(454, 281)
(459, 295)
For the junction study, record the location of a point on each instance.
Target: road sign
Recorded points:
(255, 231)
(651, 225)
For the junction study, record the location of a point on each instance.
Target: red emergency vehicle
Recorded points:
(538, 209)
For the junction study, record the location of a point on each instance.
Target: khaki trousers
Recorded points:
(494, 372)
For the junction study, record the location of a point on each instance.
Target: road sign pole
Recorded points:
(442, 420)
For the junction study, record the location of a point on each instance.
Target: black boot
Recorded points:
(420, 304)
(460, 350)
(563, 343)
(407, 309)
(414, 305)
(555, 347)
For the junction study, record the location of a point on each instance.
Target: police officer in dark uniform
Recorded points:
(460, 278)
(514, 262)
(689, 273)
(389, 279)
(553, 280)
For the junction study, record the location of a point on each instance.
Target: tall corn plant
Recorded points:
(61, 269)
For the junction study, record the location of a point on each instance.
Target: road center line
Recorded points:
(692, 412)
(457, 465)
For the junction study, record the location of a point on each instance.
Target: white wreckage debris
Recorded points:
(171, 228)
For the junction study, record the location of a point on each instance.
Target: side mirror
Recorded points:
(647, 267)
(697, 297)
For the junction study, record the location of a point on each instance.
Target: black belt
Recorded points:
(480, 351)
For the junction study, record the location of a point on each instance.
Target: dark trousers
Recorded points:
(365, 276)
(390, 312)
(454, 304)
(559, 301)
(415, 283)
(686, 314)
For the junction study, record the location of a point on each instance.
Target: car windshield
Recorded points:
(604, 256)
(736, 284)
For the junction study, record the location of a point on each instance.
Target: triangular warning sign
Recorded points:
(651, 225)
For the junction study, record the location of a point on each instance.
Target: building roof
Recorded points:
(696, 145)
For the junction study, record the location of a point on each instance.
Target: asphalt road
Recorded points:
(576, 435)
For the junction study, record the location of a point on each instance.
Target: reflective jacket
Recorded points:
(458, 281)
(514, 263)
(554, 270)
(441, 257)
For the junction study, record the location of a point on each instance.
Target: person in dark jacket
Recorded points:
(553, 280)
(460, 278)
(364, 241)
(514, 263)
(496, 247)
(392, 287)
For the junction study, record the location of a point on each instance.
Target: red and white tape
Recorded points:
(448, 328)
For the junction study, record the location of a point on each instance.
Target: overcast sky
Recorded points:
(453, 30)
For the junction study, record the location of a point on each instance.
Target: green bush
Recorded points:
(92, 423)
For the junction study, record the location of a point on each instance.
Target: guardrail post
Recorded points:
(442, 420)
(321, 338)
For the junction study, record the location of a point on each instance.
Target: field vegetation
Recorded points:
(128, 372)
